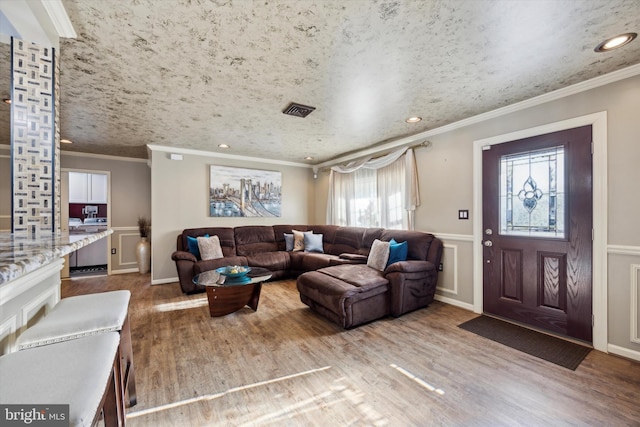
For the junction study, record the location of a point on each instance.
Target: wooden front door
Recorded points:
(537, 231)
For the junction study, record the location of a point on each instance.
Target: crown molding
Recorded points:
(201, 153)
(59, 18)
(38, 21)
(102, 156)
(593, 83)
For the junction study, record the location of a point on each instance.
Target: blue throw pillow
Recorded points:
(288, 242)
(313, 243)
(192, 244)
(397, 251)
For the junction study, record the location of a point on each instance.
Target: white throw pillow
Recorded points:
(378, 255)
(209, 247)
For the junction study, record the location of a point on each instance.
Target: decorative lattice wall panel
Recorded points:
(35, 139)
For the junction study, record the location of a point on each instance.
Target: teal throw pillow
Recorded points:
(192, 244)
(313, 243)
(397, 251)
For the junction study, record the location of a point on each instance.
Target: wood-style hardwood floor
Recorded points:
(284, 365)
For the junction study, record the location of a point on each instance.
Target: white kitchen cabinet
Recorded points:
(87, 187)
(97, 188)
(78, 187)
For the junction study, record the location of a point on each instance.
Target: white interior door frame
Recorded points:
(65, 205)
(598, 121)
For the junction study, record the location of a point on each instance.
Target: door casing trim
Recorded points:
(108, 174)
(598, 121)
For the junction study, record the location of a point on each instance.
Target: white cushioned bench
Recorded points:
(83, 373)
(86, 315)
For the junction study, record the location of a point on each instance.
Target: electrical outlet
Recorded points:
(113, 251)
(440, 267)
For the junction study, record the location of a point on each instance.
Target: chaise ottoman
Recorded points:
(348, 295)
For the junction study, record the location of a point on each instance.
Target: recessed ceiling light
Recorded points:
(308, 158)
(413, 119)
(6, 100)
(615, 42)
(66, 141)
(223, 146)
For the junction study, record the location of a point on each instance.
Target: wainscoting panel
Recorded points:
(124, 240)
(39, 307)
(448, 278)
(8, 334)
(127, 243)
(26, 299)
(455, 281)
(624, 300)
(635, 303)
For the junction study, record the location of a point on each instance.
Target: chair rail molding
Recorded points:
(623, 250)
(455, 237)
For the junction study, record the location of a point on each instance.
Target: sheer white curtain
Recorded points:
(390, 195)
(382, 192)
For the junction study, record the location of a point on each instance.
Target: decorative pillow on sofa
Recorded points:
(192, 245)
(210, 247)
(298, 239)
(288, 242)
(378, 255)
(397, 251)
(313, 243)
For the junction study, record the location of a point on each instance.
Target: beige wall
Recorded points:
(130, 197)
(180, 194)
(446, 185)
(174, 195)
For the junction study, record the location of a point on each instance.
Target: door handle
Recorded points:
(488, 243)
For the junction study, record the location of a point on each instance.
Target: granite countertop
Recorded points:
(20, 255)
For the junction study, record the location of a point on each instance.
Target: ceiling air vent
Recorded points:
(298, 110)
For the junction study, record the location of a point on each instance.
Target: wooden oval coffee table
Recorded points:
(228, 296)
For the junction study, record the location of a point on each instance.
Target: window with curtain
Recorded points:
(374, 193)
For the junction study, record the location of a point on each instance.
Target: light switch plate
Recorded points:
(463, 214)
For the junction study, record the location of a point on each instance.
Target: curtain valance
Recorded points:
(410, 197)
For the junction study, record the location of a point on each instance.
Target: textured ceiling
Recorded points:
(196, 73)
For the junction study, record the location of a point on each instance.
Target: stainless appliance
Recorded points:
(95, 221)
(74, 224)
(95, 253)
(90, 211)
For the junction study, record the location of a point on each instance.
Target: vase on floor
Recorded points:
(143, 255)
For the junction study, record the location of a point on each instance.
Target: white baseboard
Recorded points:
(125, 271)
(164, 281)
(452, 301)
(624, 352)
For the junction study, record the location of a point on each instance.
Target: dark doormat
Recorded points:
(549, 348)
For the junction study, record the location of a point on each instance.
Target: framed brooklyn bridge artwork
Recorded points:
(238, 192)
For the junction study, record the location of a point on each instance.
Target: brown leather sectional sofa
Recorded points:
(337, 283)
